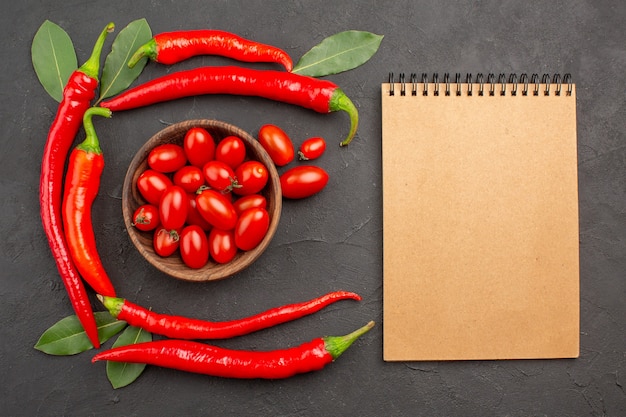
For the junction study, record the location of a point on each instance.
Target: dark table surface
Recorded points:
(331, 241)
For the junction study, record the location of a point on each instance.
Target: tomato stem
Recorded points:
(172, 233)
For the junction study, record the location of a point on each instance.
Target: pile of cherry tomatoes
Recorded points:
(205, 199)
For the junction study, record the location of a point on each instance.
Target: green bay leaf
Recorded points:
(338, 53)
(121, 374)
(67, 336)
(54, 58)
(116, 76)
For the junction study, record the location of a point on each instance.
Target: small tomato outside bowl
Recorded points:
(132, 199)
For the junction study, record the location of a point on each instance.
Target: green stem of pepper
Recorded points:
(91, 143)
(148, 49)
(91, 67)
(340, 101)
(113, 304)
(336, 345)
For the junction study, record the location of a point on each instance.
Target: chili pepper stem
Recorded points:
(91, 143)
(340, 101)
(91, 67)
(113, 304)
(148, 49)
(336, 345)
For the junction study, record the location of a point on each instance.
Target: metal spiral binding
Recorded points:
(494, 86)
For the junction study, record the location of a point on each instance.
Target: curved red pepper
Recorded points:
(81, 188)
(172, 47)
(322, 96)
(205, 359)
(178, 327)
(77, 95)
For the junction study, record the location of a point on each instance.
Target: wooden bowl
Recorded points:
(132, 199)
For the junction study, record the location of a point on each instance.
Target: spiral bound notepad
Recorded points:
(480, 217)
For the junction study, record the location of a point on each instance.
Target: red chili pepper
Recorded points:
(322, 96)
(77, 95)
(172, 47)
(81, 188)
(205, 359)
(177, 327)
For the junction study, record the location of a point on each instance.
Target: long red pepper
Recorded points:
(205, 359)
(322, 96)
(77, 95)
(178, 327)
(82, 182)
(172, 47)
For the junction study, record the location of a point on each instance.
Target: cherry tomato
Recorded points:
(216, 209)
(312, 148)
(146, 217)
(231, 150)
(189, 178)
(251, 177)
(168, 157)
(220, 176)
(277, 144)
(303, 181)
(249, 201)
(199, 146)
(165, 242)
(222, 245)
(152, 184)
(251, 228)
(173, 208)
(194, 247)
(193, 216)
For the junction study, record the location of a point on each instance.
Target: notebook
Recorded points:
(480, 217)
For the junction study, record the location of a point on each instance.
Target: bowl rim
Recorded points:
(131, 200)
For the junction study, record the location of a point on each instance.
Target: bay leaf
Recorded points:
(121, 374)
(54, 58)
(67, 336)
(116, 75)
(338, 53)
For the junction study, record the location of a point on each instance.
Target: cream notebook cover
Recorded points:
(480, 218)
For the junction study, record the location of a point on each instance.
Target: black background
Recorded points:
(331, 241)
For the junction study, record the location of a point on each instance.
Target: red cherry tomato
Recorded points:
(251, 177)
(303, 181)
(165, 242)
(194, 247)
(216, 209)
(231, 150)
(199, 146)
(277, 144)
(189, 178)
(168, 157)
(311, 148)
(146, 217)
(251, 228)
(152, 184)
(193, 216)
(222, 245)
(249, 201)
(173, 208)
(220, 176)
